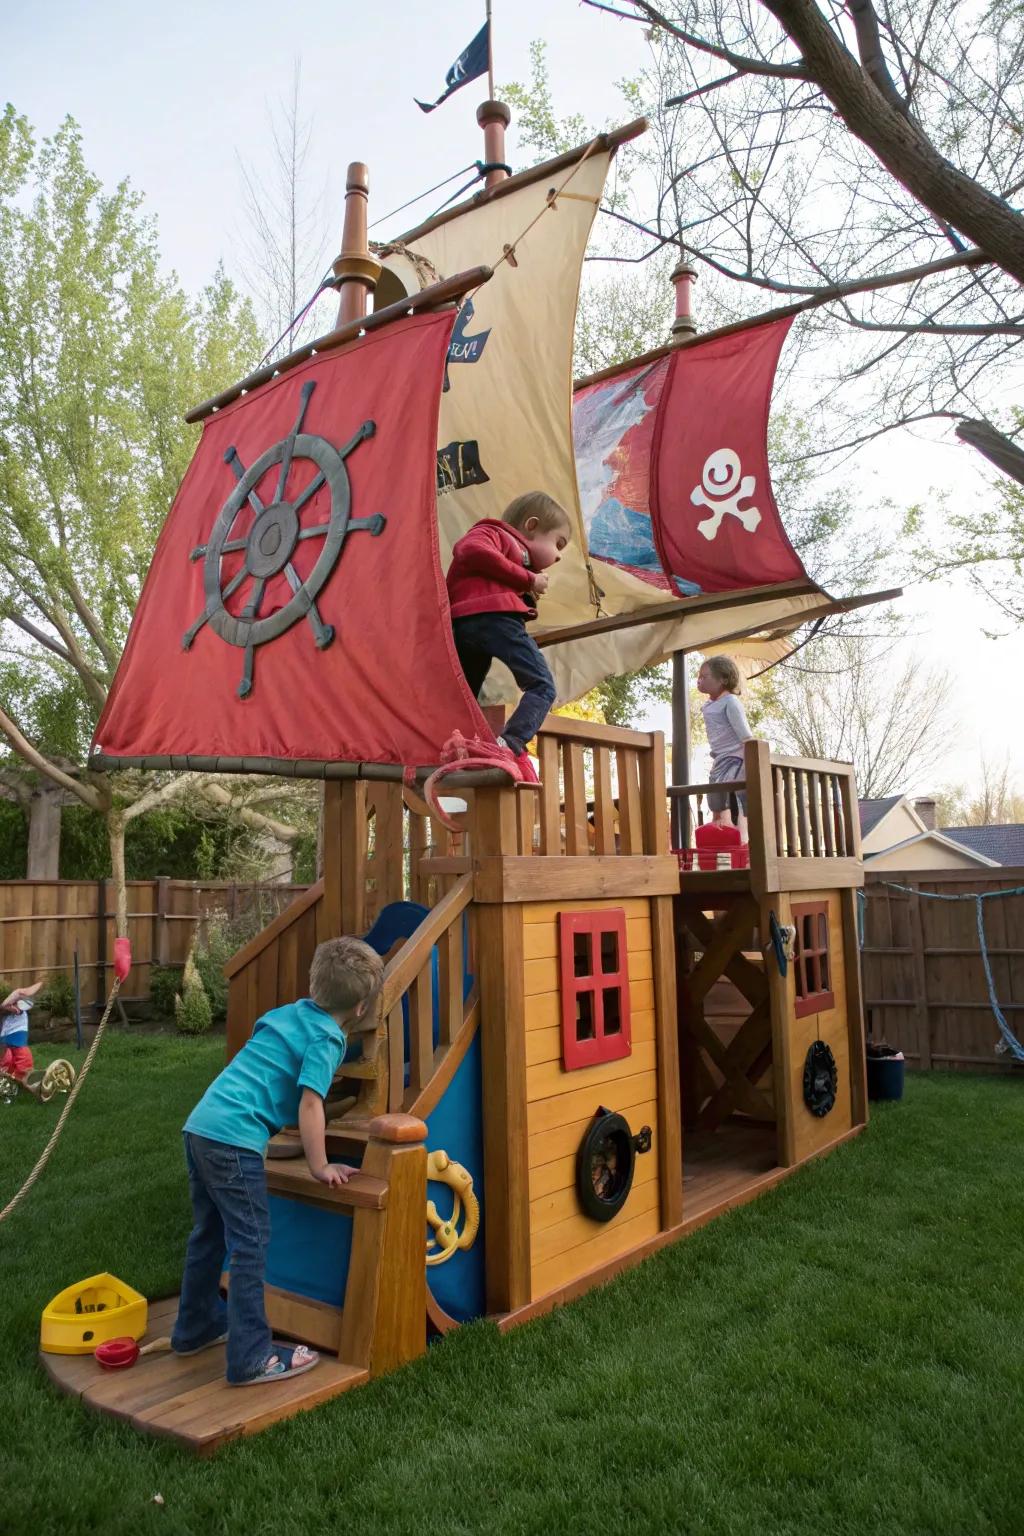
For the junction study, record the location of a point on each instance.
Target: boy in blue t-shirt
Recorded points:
(280, 1076)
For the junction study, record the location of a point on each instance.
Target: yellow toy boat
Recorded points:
(90, 1313)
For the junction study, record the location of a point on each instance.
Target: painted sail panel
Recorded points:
(505, 422)
(673, 467)
(613, 425)
(291, 610)
(715, 520)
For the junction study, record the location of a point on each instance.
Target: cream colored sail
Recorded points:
(506, 415)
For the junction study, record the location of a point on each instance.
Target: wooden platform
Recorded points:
(189, 1400)
(723, 1168)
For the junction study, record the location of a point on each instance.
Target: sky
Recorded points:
(171, 96)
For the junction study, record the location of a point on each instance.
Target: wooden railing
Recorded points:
(798, 809)
(380, 845)
(409, 975)
(815, 809)
(601, 792)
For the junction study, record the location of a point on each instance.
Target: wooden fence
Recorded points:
(41, 922)
(924, 981)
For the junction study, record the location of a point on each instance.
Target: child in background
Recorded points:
(726, 723)
(281, 1075)
(14, 1010)
(498, 570)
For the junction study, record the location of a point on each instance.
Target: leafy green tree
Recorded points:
(101, 353)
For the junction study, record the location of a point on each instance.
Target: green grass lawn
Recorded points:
(843, 1356)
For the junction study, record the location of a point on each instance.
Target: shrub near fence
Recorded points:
(925, 990)
(41, 921)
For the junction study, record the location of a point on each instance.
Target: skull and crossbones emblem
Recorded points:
(722, 488)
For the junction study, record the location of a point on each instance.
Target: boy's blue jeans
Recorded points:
(482, 637)
(228, 1187)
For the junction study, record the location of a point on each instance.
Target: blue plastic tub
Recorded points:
(885, 1077)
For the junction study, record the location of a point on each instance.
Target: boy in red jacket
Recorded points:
(498, 570)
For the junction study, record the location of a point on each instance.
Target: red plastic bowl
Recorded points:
(117, 1354)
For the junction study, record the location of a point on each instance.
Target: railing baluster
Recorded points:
(801, 788)
(838, 820)
(396, 1058)
(826, 816)
(421, 1032)
(779, 787)
(449, 983)
(814, 808)
(791, 843)
(526, 818)
(604, 810)
(550, 797)
(576, 841)
(630, 820)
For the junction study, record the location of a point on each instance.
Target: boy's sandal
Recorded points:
(287, 1360)
(221, 1338)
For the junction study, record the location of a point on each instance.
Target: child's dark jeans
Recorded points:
(480, 638)
(228, 1186)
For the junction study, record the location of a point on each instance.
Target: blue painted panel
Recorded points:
(456, 1127)
(309, 1250)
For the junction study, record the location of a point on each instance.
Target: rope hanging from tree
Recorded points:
(122, 964)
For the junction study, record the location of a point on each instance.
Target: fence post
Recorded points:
(101, 943)
(921, 1009)
(160, 925)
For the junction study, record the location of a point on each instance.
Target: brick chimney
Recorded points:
(926, 810)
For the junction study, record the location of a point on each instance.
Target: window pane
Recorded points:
(798, 975)
(612, 1011)
(824, 982)
(609, 953)
(584, 1016)
(807, 932)
(581, 961)
(822, 931)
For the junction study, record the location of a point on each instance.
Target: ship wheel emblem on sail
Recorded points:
(270, 543)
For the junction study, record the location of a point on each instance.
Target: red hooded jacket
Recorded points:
(490, 571)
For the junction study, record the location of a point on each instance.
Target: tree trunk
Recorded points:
(901, 147)
(115, 832)
(44, 810)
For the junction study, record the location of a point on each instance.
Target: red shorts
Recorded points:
(16, 1060)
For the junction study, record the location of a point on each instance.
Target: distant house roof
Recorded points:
(1003, 844)
(872, 811)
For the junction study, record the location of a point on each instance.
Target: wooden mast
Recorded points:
(355, 270)
(683, 327)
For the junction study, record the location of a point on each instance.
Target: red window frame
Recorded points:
(584, 991)
(812, 963)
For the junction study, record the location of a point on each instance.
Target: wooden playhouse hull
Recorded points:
(493, 1050)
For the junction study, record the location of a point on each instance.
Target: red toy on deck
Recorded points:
(714, 839)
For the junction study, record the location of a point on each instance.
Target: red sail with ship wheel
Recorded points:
(291, 613)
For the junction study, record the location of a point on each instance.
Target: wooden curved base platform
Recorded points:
(189, 1400)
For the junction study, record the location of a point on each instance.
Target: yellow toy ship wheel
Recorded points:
(447, 1238)
(59, 1077)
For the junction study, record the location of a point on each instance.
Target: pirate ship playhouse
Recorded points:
(585, 1047)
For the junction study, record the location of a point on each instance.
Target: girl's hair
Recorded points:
(548, 512)
(726, 671)
(345, 972)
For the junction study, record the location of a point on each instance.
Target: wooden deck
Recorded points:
(724, 1168)
(189, 1400)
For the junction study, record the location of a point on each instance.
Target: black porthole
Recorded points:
(605, 1163)
(820, 1079)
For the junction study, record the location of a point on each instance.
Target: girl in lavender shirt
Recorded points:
(726, 723)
